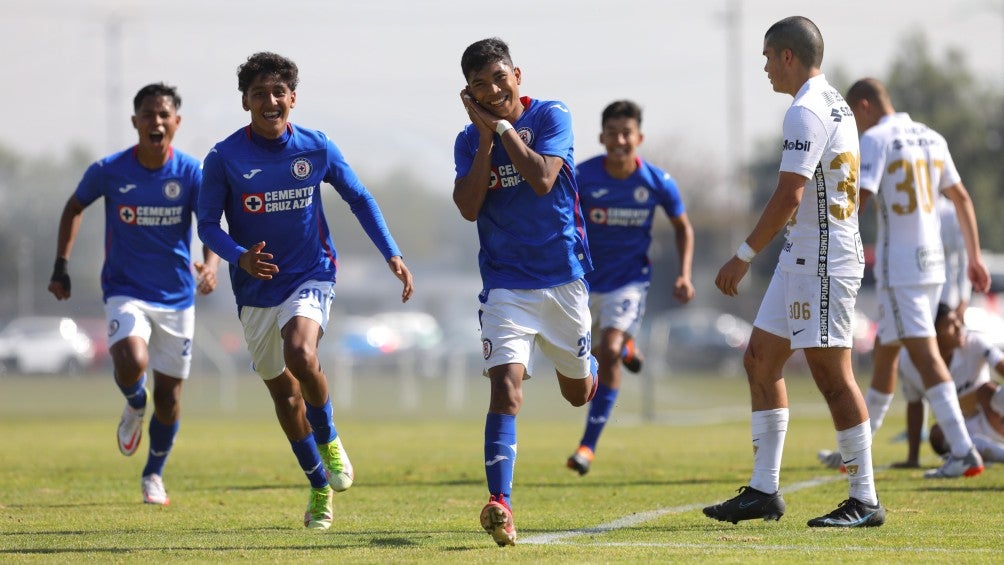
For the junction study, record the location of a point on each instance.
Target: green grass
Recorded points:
(66, 494)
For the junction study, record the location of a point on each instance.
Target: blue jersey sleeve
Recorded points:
(669, 197)
(360, 201)
(90, 187)
(555, 132)
(212, 201)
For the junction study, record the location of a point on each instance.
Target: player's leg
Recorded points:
(128, 333)
(304, 318)
(261, 331)
(829, 359)
(565, 337)
(878, 399)
(764, 360)
(170, 359)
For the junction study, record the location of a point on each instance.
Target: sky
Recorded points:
(382, 77)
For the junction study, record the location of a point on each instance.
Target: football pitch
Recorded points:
(237, 495)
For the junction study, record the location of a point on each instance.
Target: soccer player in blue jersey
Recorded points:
(150, 193)
(515, 178)
(266, 178)
(619, 193)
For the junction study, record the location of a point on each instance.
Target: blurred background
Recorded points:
(382, 78)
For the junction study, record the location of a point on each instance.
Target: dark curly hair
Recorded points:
(484, 52)
(267, 64)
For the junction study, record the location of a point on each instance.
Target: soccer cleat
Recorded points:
(130, 430)
(496, 519)
(320, 508)
(851, 513)
(747, 505)
(630, 356)
(337, 467)
(580, 460)
(968, 466)
(832, 460)
(153, 490)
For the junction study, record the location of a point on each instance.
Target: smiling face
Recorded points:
(156, 120)
(269, 99)
(496, 88)
(621, 136)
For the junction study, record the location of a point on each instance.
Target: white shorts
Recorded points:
(979, 426)
(168, 333)
(621, 309)
(808, 310)
(907, 311)
(263, 326)
(514, 321)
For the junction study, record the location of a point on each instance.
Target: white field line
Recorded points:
(642, 517)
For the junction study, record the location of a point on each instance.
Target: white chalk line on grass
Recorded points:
(642, 517)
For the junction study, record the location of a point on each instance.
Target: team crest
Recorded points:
(598, 215)
(486, 347)
(254, 203)
(526, 134)
(493, 179)
(301, 168)
(127, 214)
(172, 190)
(641, 194)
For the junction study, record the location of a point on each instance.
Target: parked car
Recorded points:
(703, 338)
(45, 344)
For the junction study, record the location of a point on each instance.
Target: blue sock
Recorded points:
(310, 460)
(500, 453)
(321, 421)
(161, 440)
(599, 411)
(135, 395)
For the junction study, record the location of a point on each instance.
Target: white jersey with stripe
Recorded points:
(906, 164)
(821, 144)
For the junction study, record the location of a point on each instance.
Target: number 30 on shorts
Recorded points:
(799, 311)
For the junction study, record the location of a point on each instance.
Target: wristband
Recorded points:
(59, 273)
(745, 252)
(502, 127)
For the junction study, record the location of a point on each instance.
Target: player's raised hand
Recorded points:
(482, 119)
(256, 262)
(402, 273)
(729, 276)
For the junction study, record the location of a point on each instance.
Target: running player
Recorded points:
(619, 194)
(906, 165)
(150, 193)
(515, 178)
(969, 356)
(266, 178)
(809, 303)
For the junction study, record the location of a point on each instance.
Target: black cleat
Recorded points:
(748, 505)
(851, 513)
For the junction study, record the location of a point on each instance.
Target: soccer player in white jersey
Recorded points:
(957, 291)
(906, 165)
(515, 178)
(969, 356)
(266, 177)
(809, 303)
(619, 194)
(150, 192)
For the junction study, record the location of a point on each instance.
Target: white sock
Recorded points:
(768, 429)
(945, 405)
(878, 404)
(855, 446)
(990, 451)
(997, 401)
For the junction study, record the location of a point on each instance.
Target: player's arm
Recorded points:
(683, 289)
(470, 190)
(776, 214)
(69, 226)
(206, 269)
(978, 273)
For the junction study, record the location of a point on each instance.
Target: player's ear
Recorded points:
(292, 99)
(519, 75)
(133, 120)
(244, 103)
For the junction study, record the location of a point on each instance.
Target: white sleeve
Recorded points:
(804, 140)
(872, 163)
